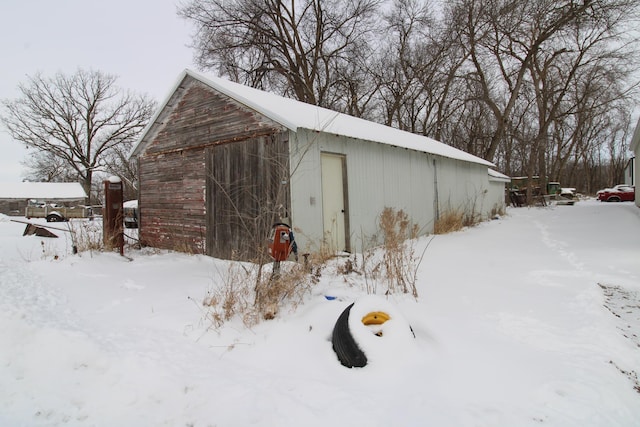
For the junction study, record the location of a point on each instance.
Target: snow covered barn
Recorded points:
(220, 163)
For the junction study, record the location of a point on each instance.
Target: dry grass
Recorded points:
(230, 298)
(452, 221)
(497, 211)
(252, 293)
(187, 246)
(288, 287)
(394, 263)
(448, 223)
(399, 254)
(87, 235)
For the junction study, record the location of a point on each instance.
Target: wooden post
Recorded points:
(112, 217)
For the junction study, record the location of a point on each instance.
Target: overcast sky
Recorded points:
(142, 42)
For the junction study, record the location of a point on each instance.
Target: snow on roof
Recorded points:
(295, 114)
(494, 175)
(42, 190)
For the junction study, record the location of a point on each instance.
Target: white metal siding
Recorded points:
(496, 196)
(380, 176)
(463, 187)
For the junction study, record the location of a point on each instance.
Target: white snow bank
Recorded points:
(511, 329)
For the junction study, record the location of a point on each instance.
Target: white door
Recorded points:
(333, 202)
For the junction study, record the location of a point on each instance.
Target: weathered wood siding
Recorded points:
(248, 191)
(171, 201)
(173, 167)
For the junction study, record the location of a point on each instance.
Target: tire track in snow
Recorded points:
(559, 246)
(622, 303)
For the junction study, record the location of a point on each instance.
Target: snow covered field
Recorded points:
(529, 320)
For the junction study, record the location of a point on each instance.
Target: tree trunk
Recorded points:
(86, 185)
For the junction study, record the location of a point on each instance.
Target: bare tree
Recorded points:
(45, 167)
(403, 61)
(508, 39)
(117, 162)
(597, 111)
(296, 48)
(556, 77)
(78, 119)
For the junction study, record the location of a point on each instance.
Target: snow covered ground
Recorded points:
(529, 320)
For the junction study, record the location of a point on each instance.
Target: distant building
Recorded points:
(15, 196)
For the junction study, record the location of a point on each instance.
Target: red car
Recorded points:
(619, 193)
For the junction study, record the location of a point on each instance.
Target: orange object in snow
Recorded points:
(280, 242)
(375, 318)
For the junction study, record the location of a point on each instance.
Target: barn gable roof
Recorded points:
(294, 115)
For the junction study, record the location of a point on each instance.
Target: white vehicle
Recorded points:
(130, 209)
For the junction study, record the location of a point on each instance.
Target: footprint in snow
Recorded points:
(130, 284)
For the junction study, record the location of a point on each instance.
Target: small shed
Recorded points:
(498, 183)
(220, 163)
(15, 196)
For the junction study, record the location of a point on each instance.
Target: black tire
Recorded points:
(613, 199)
(345, 347)
(54, 218)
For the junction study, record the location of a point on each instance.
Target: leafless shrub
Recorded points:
(319, 251)
(349, 266)
(399, 251)
(497, 211)
(86, 235)
(254, 293)
(394, 263)
(471, 219)
(182, 244)
(229, 298)
(275, 290)
(449, 222)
